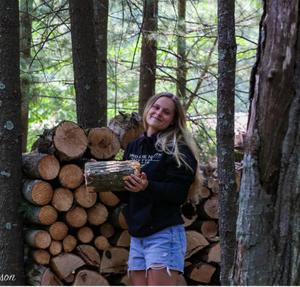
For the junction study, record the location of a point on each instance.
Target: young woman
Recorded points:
(169, 176)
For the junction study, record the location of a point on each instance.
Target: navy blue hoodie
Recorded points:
(158, 206)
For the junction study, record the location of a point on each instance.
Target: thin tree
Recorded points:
(100, 20)
(25, 54)
(11, 229)
(225, 135)
(268, 242)
(90, 106)
(148, 53)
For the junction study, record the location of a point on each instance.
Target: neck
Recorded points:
(150, 132)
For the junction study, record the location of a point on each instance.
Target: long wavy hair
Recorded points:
(168, 140)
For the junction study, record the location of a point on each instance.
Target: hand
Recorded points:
(136, 184)
(93, 160)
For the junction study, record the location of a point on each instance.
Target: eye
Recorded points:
(166, 112)
(155, 107)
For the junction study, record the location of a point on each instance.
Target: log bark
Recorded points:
(109, 175)
(90, 278)
(114, 260)
(70, 141)
(63, 264)
(45, 215)
(58, 230)
(63, 199)
(39, 275)
(85, 234)
(76, 217)
(85, 198)
(103, 143)
(107, 229)
(126, 127)
(101, 242)
(55, 247)
(109, 198)
(195, 241)
(70, 176)
(37, 238)
(40, 166)
(97, 214)
(117, 218)
(37, 191)
(89, 255)
(40, 256)
(200, 272)
(69, 243)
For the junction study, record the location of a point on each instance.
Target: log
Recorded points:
(70, 176)
(69, 279)
(121, 238)
(204, 192)
(63, 264)
(45, 215)
(127, 127)
(70, 141)
(108, 198)
(97, 214)
(107, 229)
(40, 166)
(114, 260)
(101, 242)
(117, 218)
(55, 247)
(69, 243)
(195, 241)
(209, 208)
(40, 256)
(40, 239)
(207, 169)
(39, 275)
(109, 175)
(58, 230)
(90, 278)
(76, 217)
(89, 255)
(103, 143)
(37, 191)
(85, 234)
(63, 199)
(211, 253)
(200, 272)
(188, 221)
(208, 228)
(84, 198)
(213, 185)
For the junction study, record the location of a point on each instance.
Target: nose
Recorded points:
(158, 112)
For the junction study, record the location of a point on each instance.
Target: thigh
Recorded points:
(138, 278)
(162, 278)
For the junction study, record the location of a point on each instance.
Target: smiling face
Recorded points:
(160, 115)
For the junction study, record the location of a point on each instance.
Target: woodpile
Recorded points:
(80, 238)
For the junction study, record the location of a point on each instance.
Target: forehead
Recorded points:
(165, 103)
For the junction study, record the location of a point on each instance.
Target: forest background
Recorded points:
(47, 70)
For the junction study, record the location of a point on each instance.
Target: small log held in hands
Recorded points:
(40, 166)
(90, 278)
(89, 255)
(109, 175)
(103, 143)
(65, 263)
(37, 191)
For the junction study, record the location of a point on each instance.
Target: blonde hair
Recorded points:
(168, 140)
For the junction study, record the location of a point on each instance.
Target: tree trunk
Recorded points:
(89, 104)
(100, 28)
(268, 222)
(26, 7)
(181, 51)
(225, 135)
(148, 53)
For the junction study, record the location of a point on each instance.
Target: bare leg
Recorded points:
(161, 277)
(139, 278)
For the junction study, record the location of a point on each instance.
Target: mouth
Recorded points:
(156, 119)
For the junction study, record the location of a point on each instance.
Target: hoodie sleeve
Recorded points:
(178, 180)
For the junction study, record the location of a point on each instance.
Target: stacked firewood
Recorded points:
(77, 237)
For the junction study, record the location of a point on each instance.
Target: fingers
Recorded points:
(136, 183)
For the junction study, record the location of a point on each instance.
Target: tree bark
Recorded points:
(268, 222)
(148, 53)
(89, 104)
(100, 28)
(225, 135)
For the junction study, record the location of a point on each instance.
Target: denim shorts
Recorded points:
(163, 249)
